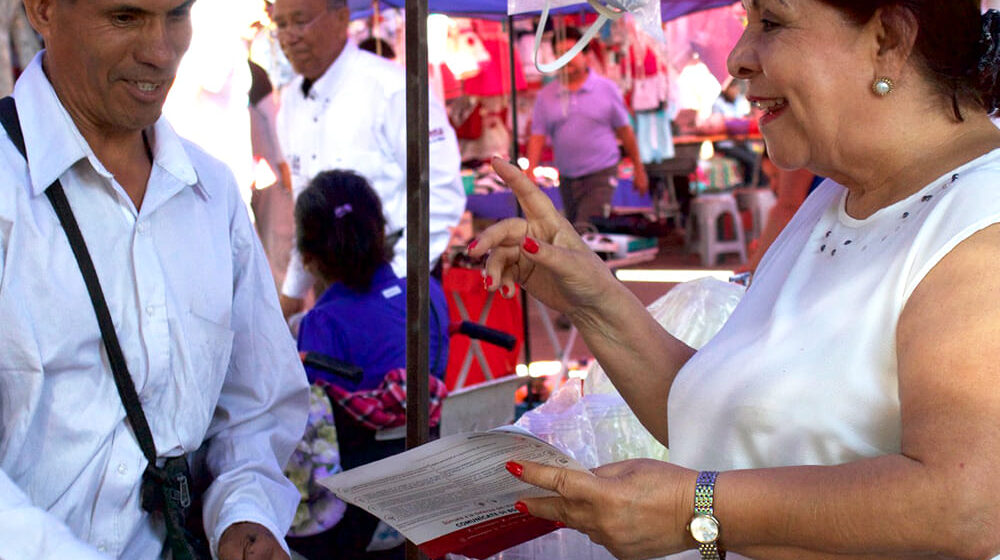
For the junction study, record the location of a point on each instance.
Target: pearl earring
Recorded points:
(882, 87)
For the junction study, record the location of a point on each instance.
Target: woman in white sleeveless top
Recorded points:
(851, 405)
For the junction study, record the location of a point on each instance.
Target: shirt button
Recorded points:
(143, 227)
(102, 549)
(314, 156)
(150, 310)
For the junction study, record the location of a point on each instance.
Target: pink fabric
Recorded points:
(385, 406)
(494, 75)
(711, 34)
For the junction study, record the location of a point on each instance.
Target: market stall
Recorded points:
(498, 78)
(418, 82)
(416, 47)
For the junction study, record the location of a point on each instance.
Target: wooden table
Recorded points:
(699, 138)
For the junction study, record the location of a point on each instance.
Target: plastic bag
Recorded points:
(594, 430)
(691, 311)
(596, 427)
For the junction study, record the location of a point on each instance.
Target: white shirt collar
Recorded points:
(54, 143)
(328, 82)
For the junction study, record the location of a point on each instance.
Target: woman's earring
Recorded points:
(882, 87)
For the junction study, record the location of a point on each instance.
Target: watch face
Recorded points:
(704, 528)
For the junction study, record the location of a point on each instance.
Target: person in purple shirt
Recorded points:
(360, 319)
(584, 117)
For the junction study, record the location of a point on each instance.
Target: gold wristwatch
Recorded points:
(704, 527)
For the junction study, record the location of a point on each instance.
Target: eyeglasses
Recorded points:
(299, 24)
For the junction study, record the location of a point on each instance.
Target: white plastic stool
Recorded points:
(703, 231)
(759, 202)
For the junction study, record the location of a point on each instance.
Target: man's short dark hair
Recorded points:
(569, 34)
(336, 4)
(378, 45)
(339, 226)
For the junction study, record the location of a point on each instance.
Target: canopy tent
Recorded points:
(710, 29)
(496, 9)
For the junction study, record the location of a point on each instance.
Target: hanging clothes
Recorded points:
(494, 71)
(465, 52)
(652, 132)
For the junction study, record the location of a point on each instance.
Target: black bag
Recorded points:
(168, 490)
(632, 224)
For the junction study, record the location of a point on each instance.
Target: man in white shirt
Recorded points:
(732, 104)
(347, 110)
(187, 286)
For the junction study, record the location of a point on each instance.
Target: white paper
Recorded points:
(453, 491)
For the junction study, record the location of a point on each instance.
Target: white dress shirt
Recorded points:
(354, 117)
(195, 310)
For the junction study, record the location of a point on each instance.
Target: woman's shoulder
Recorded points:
(970, 190)
(985, 168)
(324, 316)
(950, 210)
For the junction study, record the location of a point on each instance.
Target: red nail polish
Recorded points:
(560, 524)
(472, 245)
(505, 291)
(488, 281)
(519, 506)
(530, 245)
(515, 469)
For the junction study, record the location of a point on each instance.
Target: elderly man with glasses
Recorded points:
(347, 110)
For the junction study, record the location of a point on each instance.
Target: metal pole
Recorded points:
(417, 233)
(515, 149)
(515, 152)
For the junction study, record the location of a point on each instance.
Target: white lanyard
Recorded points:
(606, 13)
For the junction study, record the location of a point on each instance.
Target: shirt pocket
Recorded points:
(20, 390)
(208, 353)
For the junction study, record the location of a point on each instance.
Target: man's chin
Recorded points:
(137, 120)
(300, 67)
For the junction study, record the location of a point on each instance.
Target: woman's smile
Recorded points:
(771, 107)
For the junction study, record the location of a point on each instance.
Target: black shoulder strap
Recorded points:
(8, 117)
(55, 194)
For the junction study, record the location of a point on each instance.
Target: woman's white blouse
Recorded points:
(805, 371)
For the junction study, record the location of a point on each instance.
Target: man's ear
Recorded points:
(309, 263)
(895, 33)
(39, 14)
(342, 16)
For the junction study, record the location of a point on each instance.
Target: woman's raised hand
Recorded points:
(541, 252)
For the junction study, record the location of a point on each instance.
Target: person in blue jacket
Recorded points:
(360, 319)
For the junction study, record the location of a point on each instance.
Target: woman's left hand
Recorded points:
(636, 509)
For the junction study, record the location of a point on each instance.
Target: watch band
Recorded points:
(704, 504)
(711, 551)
